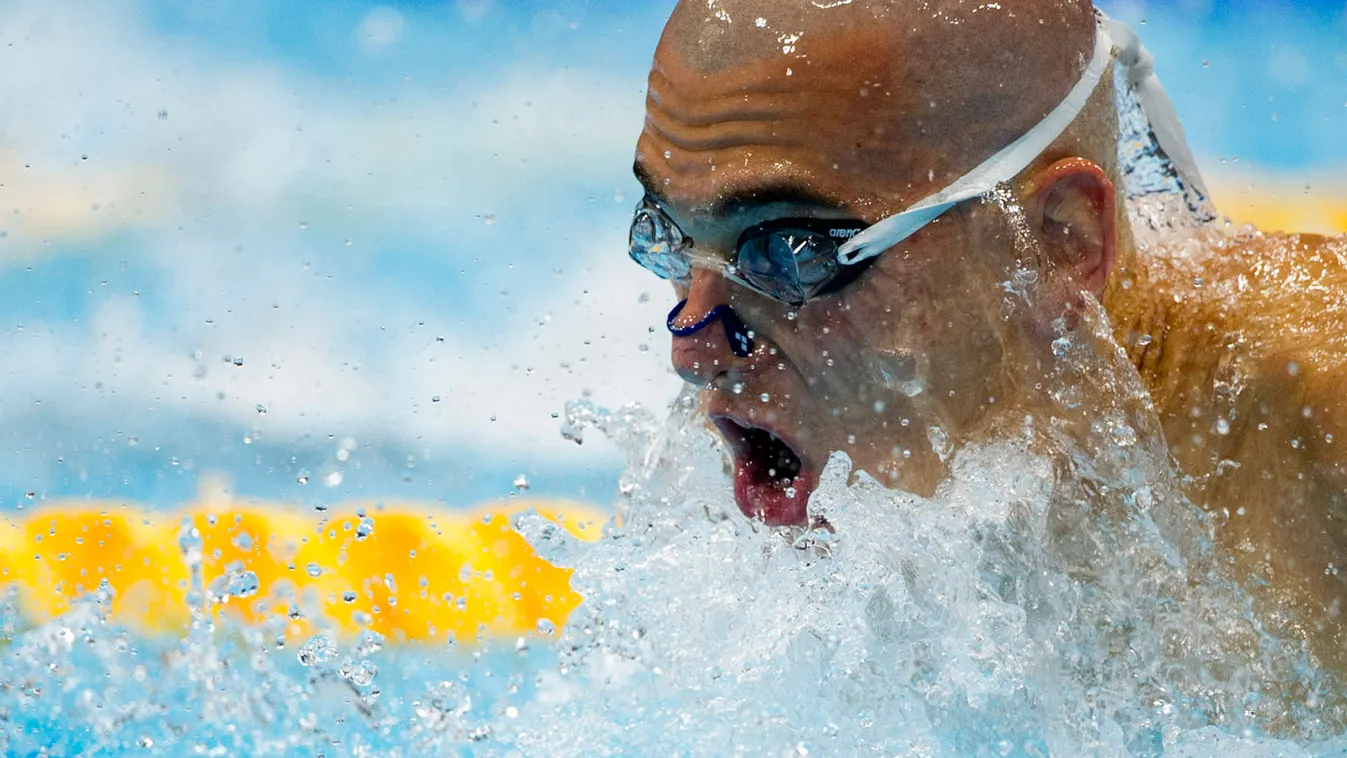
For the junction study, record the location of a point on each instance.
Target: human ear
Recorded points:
(1073, 205)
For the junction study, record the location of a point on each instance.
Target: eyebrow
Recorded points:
(783, 192)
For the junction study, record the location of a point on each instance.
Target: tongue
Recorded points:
(766, 486)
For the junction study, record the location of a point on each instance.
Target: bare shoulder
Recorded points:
(1278, 300)
(1290, 291)
(1283, 299)
(1266, 419)
(1280, 303)
(1233, 309)
(1253, 333)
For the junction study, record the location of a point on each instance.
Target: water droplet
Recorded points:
(318, 650)
(244, 584)
(1060, 346)
(545, 626)
(370, 643)
(1123, 434)
(939, 440)
(349, 596)
(1222, 426)
(764, 397)
(913, 387)
(313, 570)
(359, 673)
(521, 482)
(364, 529)
(303, 476)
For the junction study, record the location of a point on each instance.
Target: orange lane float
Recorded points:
(412, 572)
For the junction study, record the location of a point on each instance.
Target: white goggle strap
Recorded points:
(1019, 154)
(1007, 163)
(1155, 103)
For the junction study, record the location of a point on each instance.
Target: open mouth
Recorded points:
(771, 480)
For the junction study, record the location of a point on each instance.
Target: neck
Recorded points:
(1173, 333)
(1139, 303)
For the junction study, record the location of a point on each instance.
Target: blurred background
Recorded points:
(320, 252)
(337, 249)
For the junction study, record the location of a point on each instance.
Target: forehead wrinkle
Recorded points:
(749, 81)
(742, 104)
(717, 136)
(734, 121)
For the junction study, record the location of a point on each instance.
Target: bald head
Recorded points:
(921, 90)
(718, 33)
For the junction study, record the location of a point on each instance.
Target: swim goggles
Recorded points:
(790, 260)
(793, 260)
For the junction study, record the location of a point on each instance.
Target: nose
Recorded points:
(709, 338)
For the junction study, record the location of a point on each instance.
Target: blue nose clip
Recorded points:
(736, 331)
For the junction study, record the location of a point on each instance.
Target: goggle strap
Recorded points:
(1010, 161)
(1017, 156)
(892, 230)
(1155, 103)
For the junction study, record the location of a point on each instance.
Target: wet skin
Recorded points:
(909, 352)
(1243, 352)
(1242, 342)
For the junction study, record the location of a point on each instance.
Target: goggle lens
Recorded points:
(784, 260)
(657, 245)
(790, 265)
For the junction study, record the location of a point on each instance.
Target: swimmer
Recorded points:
(805, 165)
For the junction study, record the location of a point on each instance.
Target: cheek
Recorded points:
(902, 339)
(859, 351)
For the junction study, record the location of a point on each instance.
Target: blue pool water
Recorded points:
(959, 625)
(967, 624)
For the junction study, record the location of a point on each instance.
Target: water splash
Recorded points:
(1004, 616)
(1056, 596)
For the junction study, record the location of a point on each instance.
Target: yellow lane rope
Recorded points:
(1281, 202)
(422, 573)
